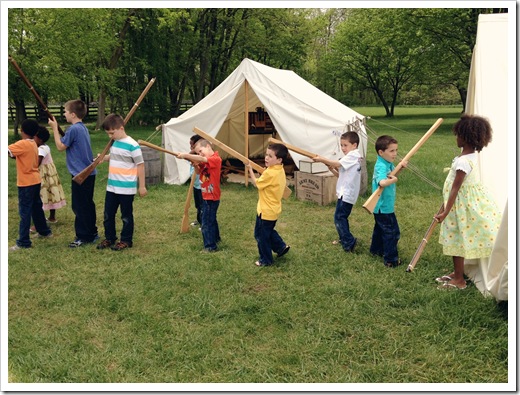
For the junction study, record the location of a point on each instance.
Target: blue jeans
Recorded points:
(385, 236)
(30, 206)
(197, 197)
(343, 210)
(112, 202)
(210, 231)
(268, 240)
(84, 209)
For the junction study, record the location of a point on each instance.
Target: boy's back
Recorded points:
(26, 153)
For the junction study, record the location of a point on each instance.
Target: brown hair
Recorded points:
(78, 107)
(113, 121)
(383, 142)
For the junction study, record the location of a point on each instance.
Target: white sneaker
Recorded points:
(16, 247)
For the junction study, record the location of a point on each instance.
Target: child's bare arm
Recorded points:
(141, 179)
(457, 182)
(329, 162)
(192, 157)
(251, 173)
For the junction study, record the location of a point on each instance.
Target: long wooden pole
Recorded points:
(33, 91)
(232, 152)
(293, 148)
(424, 241)
(156, 147)
(81, 176)
(371, 202)
(185, 224)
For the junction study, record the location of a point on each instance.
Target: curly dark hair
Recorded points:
(474, 130)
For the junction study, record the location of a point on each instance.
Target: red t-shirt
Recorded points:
(210, 177)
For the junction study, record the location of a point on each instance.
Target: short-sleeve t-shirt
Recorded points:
(386, 202)
(349, 179)
(26, 153)
(79, 151)
(210, 177)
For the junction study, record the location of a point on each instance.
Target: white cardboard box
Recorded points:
(308, 166)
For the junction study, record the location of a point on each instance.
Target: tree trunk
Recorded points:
(101, 108)
(463, 93)
(21, 115)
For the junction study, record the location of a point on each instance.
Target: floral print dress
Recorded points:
(470, 229)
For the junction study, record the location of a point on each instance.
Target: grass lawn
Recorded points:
(163, 312)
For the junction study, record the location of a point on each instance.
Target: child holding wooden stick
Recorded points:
(347, 186)
(271, 185)
(76, 144)
(386, 233)
(470, 219)
(126, 177)
(209, 167)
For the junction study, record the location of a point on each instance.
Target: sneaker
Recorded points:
(76, 243)
(393, 264)
(16, 247)
(105, 244)
(194, 223)
(353, 246)
(38, 235)
(284, 251)
(121, 245)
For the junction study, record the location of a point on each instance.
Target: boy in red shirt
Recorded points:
(209, 164)
(28, 179)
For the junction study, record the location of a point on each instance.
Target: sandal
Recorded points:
(448, 285)
(443, 279)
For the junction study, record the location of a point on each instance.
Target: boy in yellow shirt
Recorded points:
(271, 185)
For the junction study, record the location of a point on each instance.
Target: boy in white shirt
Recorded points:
(348, 170)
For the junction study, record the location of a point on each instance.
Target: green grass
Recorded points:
(163, 312)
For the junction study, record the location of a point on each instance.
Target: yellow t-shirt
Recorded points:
(26, 154)
(271, 185)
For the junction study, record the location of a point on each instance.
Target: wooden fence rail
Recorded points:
(32, 111)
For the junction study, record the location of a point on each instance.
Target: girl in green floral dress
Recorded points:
(471, 218)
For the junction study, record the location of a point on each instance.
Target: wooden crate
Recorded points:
(318, 188)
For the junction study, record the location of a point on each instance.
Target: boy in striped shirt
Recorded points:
(125, 178)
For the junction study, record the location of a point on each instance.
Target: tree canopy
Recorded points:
(109, 54)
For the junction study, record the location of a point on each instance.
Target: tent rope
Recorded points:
(372, 137)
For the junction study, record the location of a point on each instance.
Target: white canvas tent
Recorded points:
(302, 115)
(490, 92)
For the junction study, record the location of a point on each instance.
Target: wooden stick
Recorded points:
(242, 158)
(81, 176)
(424, 241)
(33, 91)
(185, 225)
(293, 148)
(371, 202)
(156, 147)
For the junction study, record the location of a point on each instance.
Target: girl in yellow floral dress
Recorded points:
(471, 218)
(51, 190)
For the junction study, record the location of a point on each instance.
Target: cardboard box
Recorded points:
(318, 188)
(308, 166)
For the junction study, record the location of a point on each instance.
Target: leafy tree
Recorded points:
(451, 34)
(375, 48)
